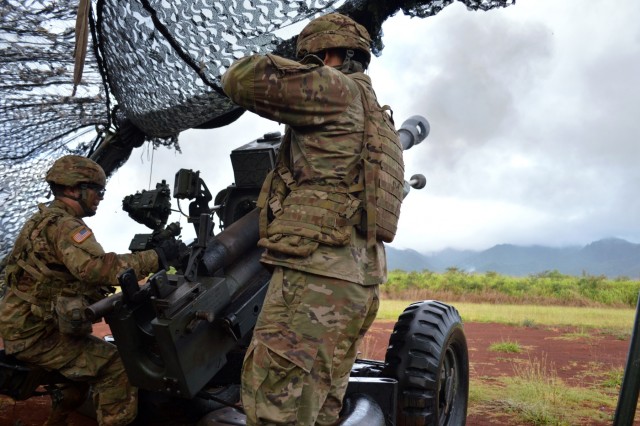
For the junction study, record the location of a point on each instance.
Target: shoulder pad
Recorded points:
(46, 210)
(45, 217)
(361, 77)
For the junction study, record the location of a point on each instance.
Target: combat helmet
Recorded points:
(72, 170)
(333, 31)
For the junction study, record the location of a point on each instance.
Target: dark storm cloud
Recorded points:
(533, 107)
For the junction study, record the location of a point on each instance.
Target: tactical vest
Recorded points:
(368, 197)
(27, 269)
(319, 213)
(383, 168)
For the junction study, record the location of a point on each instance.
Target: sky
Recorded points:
(534, 112)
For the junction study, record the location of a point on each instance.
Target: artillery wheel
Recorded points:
(428, 356)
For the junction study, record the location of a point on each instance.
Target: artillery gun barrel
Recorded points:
(235, 241)
(102, 307)
(413, 131)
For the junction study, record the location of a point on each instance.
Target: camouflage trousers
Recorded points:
(89, 360)
(296, 370)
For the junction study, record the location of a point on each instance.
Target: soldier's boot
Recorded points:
(65, 400)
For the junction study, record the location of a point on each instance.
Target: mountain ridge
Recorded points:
(611, 257)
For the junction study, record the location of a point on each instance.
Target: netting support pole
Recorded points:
(628, 399)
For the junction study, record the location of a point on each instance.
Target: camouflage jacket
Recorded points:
(56, 251)
(324, 114)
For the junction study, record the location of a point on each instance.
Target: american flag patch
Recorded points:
(81, 235)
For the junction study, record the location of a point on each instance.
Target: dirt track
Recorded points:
(576, 358)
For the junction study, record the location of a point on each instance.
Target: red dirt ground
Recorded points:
(576, 358)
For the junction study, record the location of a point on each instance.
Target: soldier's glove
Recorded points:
(169, 252)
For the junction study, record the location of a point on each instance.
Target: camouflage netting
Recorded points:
(152, 70)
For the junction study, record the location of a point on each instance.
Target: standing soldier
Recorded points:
(55, 268)
(332, 200)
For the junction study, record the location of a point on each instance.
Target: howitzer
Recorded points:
(182, 336)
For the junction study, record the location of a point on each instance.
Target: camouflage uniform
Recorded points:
(56, 252)
(323, 297)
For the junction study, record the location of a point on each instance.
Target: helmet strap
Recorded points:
(81, 200)
(350, 66)
(83, 203)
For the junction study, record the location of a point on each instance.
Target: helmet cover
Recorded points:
(72, 170)
(333, 30)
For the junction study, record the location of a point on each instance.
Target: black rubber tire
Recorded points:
(428, 356)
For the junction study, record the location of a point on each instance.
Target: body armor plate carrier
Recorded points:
(368, 198)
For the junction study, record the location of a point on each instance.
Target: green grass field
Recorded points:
(545, 288)
(618, 319)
